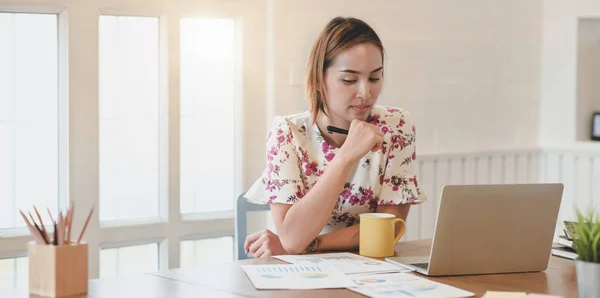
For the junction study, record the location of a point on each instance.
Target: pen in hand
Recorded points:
(332, 129)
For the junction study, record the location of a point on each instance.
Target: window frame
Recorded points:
(78, 25)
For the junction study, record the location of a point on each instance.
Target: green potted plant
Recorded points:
(586, 243)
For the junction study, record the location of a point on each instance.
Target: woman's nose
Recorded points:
(364, 90)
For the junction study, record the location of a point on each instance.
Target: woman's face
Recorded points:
(353, 83)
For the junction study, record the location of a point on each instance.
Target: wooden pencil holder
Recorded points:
(58, 271)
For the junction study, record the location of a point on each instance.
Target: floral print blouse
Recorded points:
(297, 155)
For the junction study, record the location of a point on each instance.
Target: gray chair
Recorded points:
(241, 220)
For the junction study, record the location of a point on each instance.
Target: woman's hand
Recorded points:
(362, 138)
(264, 244)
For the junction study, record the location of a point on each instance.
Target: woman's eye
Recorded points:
(349, 81)
(374, 79)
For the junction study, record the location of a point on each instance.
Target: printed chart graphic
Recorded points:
(288, 269)
(296, 276)
(314, 275)
(348, 263)
(317, 260)
(271, 276)
(371, 281)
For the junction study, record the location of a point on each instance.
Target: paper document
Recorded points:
(404, 285)
(296, 277)
(347, 263)
(496, 294)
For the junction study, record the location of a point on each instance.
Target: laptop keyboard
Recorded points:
(421, 265)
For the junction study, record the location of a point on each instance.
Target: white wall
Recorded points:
(559, 70)
(452, 63)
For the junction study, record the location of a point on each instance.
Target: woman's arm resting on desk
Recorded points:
(298, 224)
(347, 238)
(266, 243)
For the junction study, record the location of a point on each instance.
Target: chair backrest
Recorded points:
(241, 220)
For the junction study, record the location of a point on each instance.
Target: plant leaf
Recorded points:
(587, 238)
(594, 246)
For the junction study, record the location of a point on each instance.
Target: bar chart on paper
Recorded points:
(296, 277)
(347, 263)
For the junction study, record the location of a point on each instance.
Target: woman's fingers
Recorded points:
(362, 138)
(377, 146)
(256, 245)
(260, 252)
(379, 143)
(251, 239)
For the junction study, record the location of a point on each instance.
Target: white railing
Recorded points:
(578, 170)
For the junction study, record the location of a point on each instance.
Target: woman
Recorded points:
(318, 183)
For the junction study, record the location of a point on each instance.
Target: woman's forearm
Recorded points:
(348, 238)
(307, 217)
(343, 239)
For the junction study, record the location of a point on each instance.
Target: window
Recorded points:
(128, 260)
(29, 114)
(206, 251)
(100, 92)
(13, 273)
(129, 117)
(208, 94)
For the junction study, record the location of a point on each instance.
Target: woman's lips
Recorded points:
(361, 108)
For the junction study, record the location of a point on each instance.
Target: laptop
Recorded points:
(485, 229)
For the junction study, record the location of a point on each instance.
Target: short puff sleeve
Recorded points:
(281, 181)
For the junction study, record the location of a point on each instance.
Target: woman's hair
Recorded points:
(338, 35)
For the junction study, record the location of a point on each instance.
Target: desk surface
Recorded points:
(141, 285)
(559, 279)
(228, 280)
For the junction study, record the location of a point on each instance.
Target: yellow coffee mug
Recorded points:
(377, 232)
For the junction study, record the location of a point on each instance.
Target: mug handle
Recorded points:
(402, 229)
